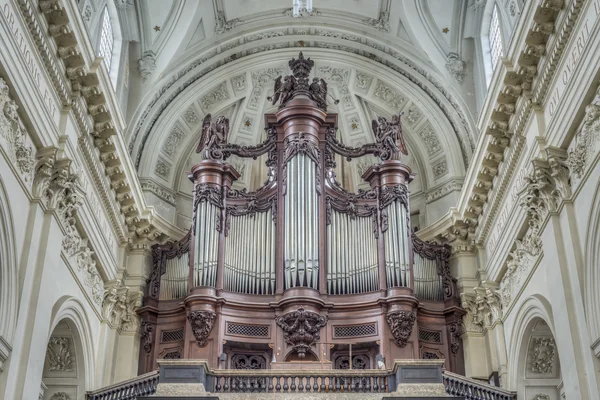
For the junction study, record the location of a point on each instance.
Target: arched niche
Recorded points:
(8, 278)
(534, 365)
(64, 366)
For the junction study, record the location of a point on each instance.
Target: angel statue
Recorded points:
(213, 137)
(283, 90)
(389, 135)
(318, 90)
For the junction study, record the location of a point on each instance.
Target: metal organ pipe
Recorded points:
(174, 282)
(250, 254)
(351, 255)
(301, 208)
(397, 246)
(206, 246)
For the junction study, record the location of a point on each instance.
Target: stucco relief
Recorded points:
(362, 81)
(172, 142)
(340, 76)
(259, 80)
(583, 147)
(389, 96)
(60, 354)
(215, 96)
(147, 65)
(14, 135)
(542, 355)
(119, 307)
(456, 67)
(223, 25)
(382, 23)
(430, 140)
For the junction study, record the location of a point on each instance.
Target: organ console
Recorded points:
(264, 277)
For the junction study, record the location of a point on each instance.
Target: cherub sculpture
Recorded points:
(389, 135)
(213, 137)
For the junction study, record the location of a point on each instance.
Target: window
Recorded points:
(495, 37)
(107, 40)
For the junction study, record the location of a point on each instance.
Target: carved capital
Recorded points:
(202, 323)
(401, 324)
(119, 307)
(483, 307)
(301, 329)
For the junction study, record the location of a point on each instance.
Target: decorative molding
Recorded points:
(202, 323)
(542, 355)
(483, 307)
(363, 81)
(223, 25)
(430, 140)
(303, 13)
(147, 65)
(60, 354)
(160, 191)
(301, 329)
(119, 308)
(456, 67)
(382, 23)
(445, 189)
(401, 324)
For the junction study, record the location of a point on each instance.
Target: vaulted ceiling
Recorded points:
(222, 56)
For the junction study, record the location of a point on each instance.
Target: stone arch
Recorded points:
(591, 274)
(534, 369)
(68, 367)
(9, 291)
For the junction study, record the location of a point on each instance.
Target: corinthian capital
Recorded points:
(483, 307)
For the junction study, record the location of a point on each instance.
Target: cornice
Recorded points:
(523, 87)
(92, 114)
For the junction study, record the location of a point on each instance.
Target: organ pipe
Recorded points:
(396, 242)
(351, 255)
(174, 283)
(249, 265)
(301, 244)
(206, 246)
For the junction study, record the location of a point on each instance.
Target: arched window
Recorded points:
(495, 37)
(107, 40)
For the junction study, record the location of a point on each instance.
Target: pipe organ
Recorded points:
(300, 269)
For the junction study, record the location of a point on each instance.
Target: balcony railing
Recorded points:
(272, 381)
(143, 385)
(471, 389)
(309, 381)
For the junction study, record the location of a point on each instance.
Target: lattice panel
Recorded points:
(354, 330)
(430, 336)
(171, 336)
(427, 355)
(172, 355)
(247, 330)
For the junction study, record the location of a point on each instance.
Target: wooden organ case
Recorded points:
(301, 271)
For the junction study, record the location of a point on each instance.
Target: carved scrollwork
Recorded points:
(301, 329)
(147, 335)
(441, 254)
(456, 330)
(389, 141)
(202, 323)
(401, 324)
(301, 144)
(251, 207)
(212, 194)
(160, 253)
